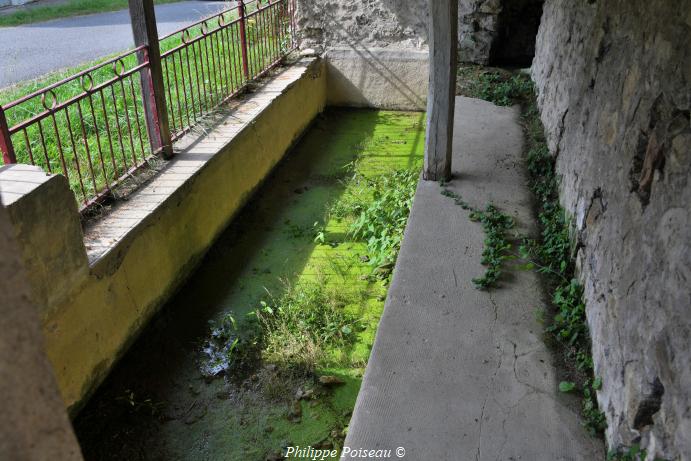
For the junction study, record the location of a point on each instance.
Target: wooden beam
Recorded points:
(443, 46)
(153, 92)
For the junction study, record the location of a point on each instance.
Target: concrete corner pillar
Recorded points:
(35, 425)
(47, 228)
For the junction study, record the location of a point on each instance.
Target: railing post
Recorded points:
(6, 141)
(153, 92)
(243, 39)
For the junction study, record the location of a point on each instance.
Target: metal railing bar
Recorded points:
(74, 77)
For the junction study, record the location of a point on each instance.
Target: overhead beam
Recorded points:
(443, 46)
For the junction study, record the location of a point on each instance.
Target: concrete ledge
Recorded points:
(128, 263)
(378, 77)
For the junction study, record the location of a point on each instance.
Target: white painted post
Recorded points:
(443, 45)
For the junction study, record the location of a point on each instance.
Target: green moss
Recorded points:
(270, 246)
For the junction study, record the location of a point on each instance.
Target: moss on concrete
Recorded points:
(158, 405)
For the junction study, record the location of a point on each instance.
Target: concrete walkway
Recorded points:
(457, 373)
(33, 50)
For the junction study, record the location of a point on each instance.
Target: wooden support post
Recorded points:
(153, 92)
(443, 46)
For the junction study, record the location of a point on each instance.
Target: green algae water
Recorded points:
(229, 370)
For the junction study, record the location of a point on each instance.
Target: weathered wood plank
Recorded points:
(153, 92)
(443, 43)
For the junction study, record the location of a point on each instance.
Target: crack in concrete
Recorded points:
(478, 453)
(515, 372)
(496, 311)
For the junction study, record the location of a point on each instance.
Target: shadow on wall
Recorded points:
(387, 79)
(376, 59)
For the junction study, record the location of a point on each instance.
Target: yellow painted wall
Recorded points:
(90, 327)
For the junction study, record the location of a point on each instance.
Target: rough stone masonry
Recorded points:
(399, 24)
(613, 78)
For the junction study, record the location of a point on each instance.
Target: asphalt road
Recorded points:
(29, 51)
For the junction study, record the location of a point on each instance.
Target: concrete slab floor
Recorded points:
(457, 373)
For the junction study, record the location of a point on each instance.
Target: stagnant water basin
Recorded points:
(196, 385)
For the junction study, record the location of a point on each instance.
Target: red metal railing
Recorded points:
(92, 126)
(210, 61)
(89, 127)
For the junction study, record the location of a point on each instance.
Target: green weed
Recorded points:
(497, 248)
(494, 85)
(300, 327)
(380, 219)
(633, 453)
(496, 245)
(553, 255)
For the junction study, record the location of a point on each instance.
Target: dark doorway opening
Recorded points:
(514, 44)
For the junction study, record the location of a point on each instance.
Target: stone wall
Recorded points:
(613, 78)
(362, 23)
(403, 25)
(478, 22)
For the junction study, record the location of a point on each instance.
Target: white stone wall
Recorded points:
(363, 23)
(402, 24)
(614, 83)
(394, 23)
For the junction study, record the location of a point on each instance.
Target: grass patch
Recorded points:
(302, 328)
(33, 14)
